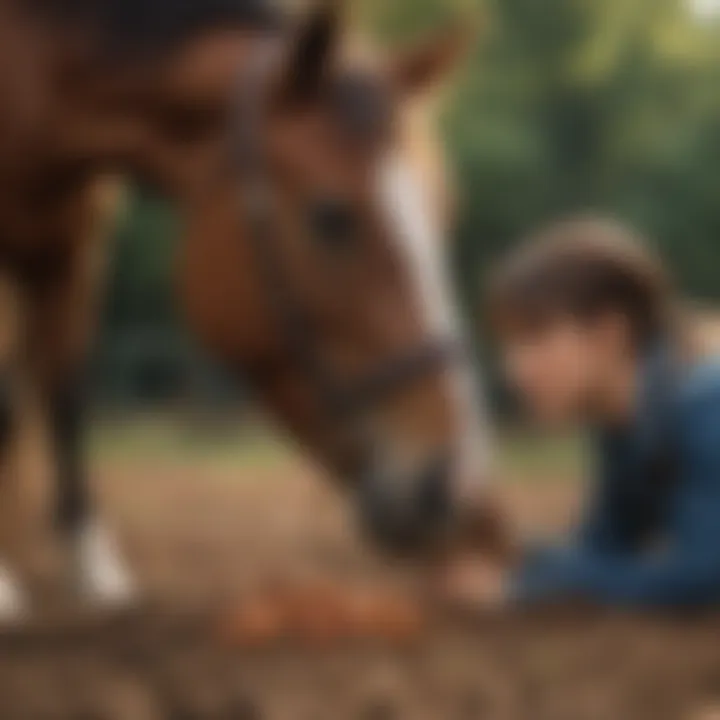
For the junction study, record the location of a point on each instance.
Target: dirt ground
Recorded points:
(200, 535)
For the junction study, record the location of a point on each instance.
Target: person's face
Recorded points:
(561, 370)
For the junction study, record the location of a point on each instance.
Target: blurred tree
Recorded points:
(606, 105)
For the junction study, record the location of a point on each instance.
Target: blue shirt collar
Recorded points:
(656, 397)
(654, 405)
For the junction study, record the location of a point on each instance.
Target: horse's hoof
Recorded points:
(13, 603)
(104, 578)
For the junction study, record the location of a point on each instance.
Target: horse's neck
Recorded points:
(111, 108)
(59, 143)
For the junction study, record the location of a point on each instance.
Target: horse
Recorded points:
(314, 207)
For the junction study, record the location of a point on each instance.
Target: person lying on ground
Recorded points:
(590, 337)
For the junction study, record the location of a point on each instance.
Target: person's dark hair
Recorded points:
(582, 268)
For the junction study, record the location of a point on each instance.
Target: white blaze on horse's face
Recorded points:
(418, 235)
(417, 230)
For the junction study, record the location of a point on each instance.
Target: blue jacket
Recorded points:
(651, 535)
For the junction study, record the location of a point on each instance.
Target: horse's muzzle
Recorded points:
(409, 515)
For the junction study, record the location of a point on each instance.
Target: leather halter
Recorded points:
(337, 399)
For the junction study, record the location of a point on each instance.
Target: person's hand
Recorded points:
(474, 583)
(486, 529)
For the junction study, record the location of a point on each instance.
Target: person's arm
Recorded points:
(678, 579)
(689, 574)
(613, 524)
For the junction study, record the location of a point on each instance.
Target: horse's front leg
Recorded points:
(13, 599)
(95, 569)
(30, 553)
(65, 310)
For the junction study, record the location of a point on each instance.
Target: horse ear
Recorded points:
(311, 54)
(421, 68)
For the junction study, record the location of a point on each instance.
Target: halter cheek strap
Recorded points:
(339, 400)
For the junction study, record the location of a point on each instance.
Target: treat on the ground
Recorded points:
(323, 616)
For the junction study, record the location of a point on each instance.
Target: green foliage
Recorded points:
(141, 284)
(603, 105)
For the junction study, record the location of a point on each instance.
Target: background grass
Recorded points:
(522, 456)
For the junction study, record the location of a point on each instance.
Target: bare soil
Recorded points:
(201, 536)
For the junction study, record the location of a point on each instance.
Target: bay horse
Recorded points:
(312, 260)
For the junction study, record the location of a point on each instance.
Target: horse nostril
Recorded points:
(433, 494)
(409, 514)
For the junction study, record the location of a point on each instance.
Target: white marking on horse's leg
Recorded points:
(408, 210)
(103, 574)
(13, 603)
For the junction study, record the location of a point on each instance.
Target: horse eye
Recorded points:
(334, 223)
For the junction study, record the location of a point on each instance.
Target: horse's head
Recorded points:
(315, 263)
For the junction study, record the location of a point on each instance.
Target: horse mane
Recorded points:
(130, 27)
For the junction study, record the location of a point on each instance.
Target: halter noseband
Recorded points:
(337, 400)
